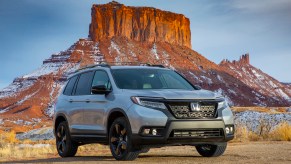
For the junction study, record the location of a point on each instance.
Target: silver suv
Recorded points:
(135, 108)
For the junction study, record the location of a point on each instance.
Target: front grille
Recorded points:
(204, 133)
(183, 110)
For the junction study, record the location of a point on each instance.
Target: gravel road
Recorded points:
(252, 152)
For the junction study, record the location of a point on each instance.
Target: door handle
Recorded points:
(87, 100)
(71, 100)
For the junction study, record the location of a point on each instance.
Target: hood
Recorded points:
(173, 93)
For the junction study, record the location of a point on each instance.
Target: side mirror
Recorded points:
(100, 89)
(197, 87)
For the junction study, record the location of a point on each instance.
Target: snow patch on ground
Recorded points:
(120, 56)
(19, 102)
(282, 94)
(195, 77)
(33, 146)
(115, 47)
(166, 57)
(45, 69)
(231, 91)
(259, 76)
(220, 78)
(96, 54)
(154, 51)
(208, 80)
(15, 87)
(50, 110)
(227, 99)
(272, 84)
(258, 95)
(71, 68)
(1, 121)
(252, 119)
(37, 134)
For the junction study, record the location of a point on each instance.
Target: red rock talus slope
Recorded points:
(29, 100)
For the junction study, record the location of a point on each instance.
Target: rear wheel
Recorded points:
(120, 140)
(65, 146)
(211, 150)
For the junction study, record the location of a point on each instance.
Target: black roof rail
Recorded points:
(158, 65)
(136, 63)
(109, 64)
(128, 63)
(94, 65)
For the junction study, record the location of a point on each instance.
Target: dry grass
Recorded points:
(281, 132)
(12, 149)
(242, 134)
(261, 109)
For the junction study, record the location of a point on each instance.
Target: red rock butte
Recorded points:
(143, 24)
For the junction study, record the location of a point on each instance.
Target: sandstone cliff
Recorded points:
(142, 24)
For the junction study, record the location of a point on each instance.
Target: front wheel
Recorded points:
(211, 150)
(65, 146)
(120, 140)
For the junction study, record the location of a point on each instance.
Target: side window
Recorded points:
(101, 78)
(84, 84)
(70, 86)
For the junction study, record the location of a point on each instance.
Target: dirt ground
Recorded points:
(251, 152)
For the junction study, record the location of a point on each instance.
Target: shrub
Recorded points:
(282, 132)
(10, 137)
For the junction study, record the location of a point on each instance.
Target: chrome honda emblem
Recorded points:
(195, 107)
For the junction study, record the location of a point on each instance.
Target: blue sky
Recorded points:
(31, 30)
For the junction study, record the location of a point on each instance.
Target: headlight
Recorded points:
(222, 104)
(146, 102)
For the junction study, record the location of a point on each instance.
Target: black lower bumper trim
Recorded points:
(138, 140)
(186, 133)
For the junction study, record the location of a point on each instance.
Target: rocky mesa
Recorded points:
(144, 24)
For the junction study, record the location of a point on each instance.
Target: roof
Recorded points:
(119, 66)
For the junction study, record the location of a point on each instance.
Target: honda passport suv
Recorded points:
(135, 108)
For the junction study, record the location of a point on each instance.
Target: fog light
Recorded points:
(146, 131)
(231, 129)
(154, 132)
(227, 130)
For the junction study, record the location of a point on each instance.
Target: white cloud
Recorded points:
(261, 5)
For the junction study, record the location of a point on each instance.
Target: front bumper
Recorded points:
(142, 117)
(168, 137)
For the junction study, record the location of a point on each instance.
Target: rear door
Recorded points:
(80, 101)
(74, 116)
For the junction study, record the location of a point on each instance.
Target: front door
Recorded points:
(96, 105)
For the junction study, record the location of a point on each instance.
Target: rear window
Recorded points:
(84, 83)
(70, 86)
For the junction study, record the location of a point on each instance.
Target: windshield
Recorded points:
(149, 79)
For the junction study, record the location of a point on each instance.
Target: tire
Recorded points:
(211, 150)
(120, 140)
(65, 146)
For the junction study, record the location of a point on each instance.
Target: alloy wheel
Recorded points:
(61, 139)
(118, 140)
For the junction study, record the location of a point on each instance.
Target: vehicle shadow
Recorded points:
(80, 159)
(63, 160)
